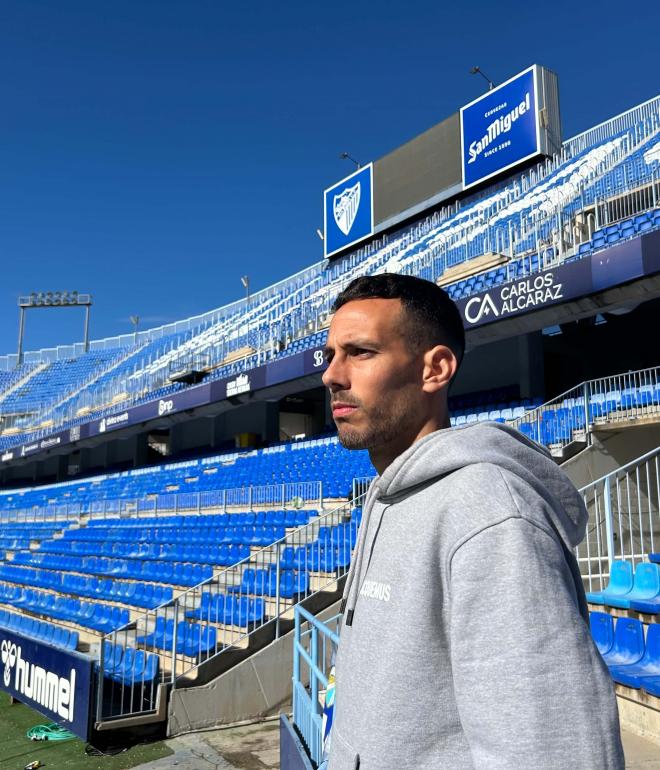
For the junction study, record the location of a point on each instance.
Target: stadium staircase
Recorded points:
(167, 589)
(599, 424)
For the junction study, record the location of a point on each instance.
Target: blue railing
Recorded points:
(571, 417)
(313, 645)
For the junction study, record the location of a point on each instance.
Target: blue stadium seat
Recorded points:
(651, 685)
(602, 630)
(649, 665)
(620, 583)
(628, 645)
(646, 586)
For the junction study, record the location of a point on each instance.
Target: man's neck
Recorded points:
(383, 456)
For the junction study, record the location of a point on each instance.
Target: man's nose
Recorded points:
(335, 377)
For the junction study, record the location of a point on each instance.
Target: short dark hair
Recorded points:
(433, 317)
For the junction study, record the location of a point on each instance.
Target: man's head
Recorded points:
(394, 346)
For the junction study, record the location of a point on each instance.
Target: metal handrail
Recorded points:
(307, 712)
(584, 402)
(246, 497)
(624, 518)
(196, 604)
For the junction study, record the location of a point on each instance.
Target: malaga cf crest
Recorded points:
(345, 207)
(348, 211)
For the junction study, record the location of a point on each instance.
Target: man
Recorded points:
(465, 639)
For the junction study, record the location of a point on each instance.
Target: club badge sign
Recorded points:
(500, 129)
(348, 211)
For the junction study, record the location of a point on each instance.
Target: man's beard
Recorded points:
(384, 426)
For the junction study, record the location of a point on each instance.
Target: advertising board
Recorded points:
(500, 129)
(55, 682)
(348, 211)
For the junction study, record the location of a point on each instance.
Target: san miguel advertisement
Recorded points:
(500, 129)
(55, 682)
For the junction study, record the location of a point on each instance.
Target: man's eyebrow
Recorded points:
(353, 345)
(362, 343)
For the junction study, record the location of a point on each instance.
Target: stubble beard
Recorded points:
(384, 427)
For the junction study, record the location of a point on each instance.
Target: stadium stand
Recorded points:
(166, 575)
(180, 485)
(599, 190)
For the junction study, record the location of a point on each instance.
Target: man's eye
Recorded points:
(361, 352)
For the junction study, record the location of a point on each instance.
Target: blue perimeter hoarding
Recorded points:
(55, 682)
(617, 265)
(500, 129)
(348, 211)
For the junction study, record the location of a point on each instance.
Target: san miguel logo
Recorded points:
(501, 125)
(345, 207)
(514, 298)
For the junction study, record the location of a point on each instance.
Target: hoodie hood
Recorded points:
(445, 451)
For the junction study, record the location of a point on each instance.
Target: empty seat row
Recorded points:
(39, 629)
(99, 617)
(179, 538)
(167, 572)
(263, 582)
(128, 665)
(627, 228)
(241, 611)
(152, 527)
(192, 639)
(632, 659)
(639, 591)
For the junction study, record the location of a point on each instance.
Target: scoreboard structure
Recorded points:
(494, 136)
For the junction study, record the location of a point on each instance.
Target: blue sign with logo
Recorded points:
(53, 681)
(348, 211)
(500, 129)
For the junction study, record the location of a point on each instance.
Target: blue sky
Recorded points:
(151, 153)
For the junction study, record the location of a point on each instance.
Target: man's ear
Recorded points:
(440, 366)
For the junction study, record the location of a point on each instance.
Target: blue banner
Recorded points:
(53, 681)
(348, 211)
(615, 266)
(500, 129)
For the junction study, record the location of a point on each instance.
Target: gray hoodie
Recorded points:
(465, 639)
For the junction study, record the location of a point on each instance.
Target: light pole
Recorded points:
(245, 280)
(346, 156)
(479, 71)
(135, 320)
(52, 299)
